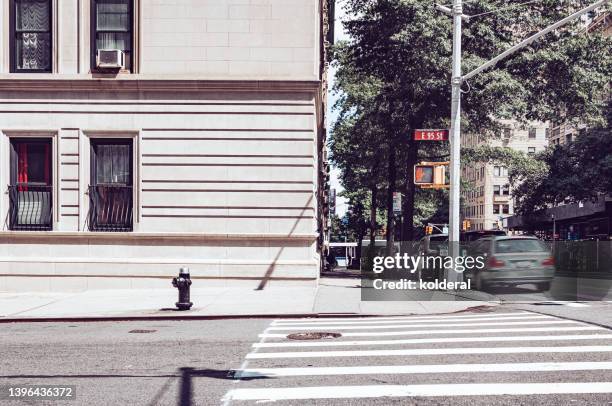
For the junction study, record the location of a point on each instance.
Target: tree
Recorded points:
(395, 75)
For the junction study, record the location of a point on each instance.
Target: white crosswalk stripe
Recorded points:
(423, 369)
(404, 325)
(452, 331)
(357, 320)
(396, 318)
(379, 391)
(433, 340)
(430, 351)
(433, 320)
(444, 357)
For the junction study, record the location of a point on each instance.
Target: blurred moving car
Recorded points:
(512, 261)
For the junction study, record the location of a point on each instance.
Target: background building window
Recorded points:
(111, 24)
(30, 26)
(532, 133)
(496, 190)
(496, 209)
(110, 191)
(507, 132)
(505, 190)
(30, 189)
(505, 209)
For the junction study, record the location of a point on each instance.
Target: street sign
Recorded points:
(397, 202)
(431, 135)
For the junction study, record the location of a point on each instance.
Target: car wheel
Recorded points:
(543, 287)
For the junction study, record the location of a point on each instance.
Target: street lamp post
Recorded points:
(455, 129)
(455, 138)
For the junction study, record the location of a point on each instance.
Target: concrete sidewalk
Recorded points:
(333, 296)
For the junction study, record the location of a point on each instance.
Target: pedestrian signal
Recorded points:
(431, 175)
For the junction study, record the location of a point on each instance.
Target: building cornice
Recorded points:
(15, 236)
(15, 83)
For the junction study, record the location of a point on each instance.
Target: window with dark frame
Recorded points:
(31, 36)
(532, 133)
(31, 184)
(112, 28)
(506, 209)
(111, 190)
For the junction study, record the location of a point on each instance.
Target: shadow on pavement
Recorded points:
(185, 396)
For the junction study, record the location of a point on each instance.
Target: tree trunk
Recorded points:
(374, 193)
(391, 173)
(409, 196)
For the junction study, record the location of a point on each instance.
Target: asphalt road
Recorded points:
(178, 363)
(468, 358)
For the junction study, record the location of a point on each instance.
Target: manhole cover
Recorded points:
(142, 331)
(313, 336)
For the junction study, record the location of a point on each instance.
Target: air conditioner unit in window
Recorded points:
(110, 58)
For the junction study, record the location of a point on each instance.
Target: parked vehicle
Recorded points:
(512, 261)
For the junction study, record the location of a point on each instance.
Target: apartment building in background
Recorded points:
(487, 200)
(140, 136)
(561, 131)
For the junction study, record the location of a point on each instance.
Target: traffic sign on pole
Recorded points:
(431, 135)
(397, 203)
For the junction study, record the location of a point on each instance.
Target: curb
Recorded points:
(186, 317)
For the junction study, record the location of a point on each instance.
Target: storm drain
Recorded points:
(141, 331)
(313, 336)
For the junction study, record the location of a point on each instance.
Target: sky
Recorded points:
(340, 34)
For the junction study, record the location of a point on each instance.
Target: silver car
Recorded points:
(512, 261)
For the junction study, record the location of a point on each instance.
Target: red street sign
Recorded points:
(431, 135)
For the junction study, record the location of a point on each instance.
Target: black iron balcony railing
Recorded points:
(30, 207)
(110, 208)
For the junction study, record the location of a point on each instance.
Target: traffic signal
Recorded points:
(431, 175)
(429, 230)
(466, 225)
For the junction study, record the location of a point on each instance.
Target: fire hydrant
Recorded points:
(183, 283)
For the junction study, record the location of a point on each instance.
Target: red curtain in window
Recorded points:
(22, 164)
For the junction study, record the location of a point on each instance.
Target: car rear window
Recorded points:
(519, 245)
(440, 238)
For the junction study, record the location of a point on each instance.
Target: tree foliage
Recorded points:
(394, 77)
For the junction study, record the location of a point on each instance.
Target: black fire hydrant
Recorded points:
(183, 283)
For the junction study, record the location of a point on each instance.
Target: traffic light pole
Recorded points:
(455, 129)
(455, 139)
